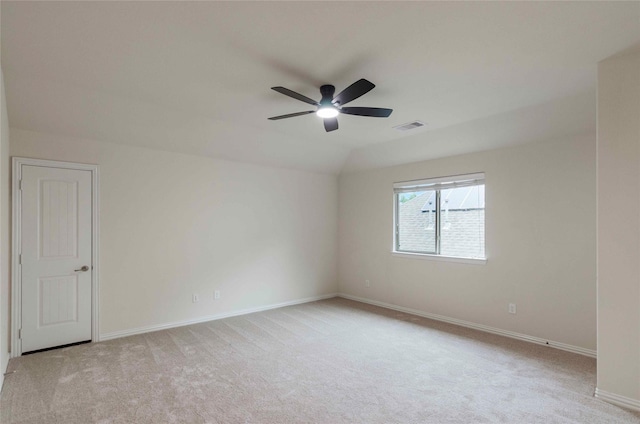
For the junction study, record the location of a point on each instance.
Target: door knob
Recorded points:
(83, 269)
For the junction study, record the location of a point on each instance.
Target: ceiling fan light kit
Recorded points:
(327, 112)
(330, 107)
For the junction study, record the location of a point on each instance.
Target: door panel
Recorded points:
(56, 244)
(58, 219)
(58, 300)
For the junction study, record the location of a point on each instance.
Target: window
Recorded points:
(441, 216)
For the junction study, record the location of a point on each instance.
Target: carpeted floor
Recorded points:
(333, 361)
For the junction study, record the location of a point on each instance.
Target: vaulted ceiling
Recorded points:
(195, 77)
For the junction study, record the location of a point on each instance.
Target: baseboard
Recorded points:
(468, 324)
(625, 402)
(150, 328)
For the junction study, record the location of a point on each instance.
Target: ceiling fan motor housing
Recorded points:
(327, 92)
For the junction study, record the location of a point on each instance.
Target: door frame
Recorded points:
(16, 246)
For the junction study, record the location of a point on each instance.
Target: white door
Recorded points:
(56, 257)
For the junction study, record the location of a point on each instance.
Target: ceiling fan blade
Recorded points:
(354, 91)
(291, 115)
(295, 95)
(330, 124)
(376, 112)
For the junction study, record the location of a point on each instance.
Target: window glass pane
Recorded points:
(417, 221)
(462, 222)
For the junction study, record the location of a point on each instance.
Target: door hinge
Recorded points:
(20, 259)
(20, 185)
(20, 334)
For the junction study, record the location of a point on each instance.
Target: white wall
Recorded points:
(619, 227)
(174, 224)
(5, 234)
(540, 242)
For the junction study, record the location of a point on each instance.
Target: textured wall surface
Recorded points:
(542, 262)
(5, 235)
(619, 226)
(173, 225)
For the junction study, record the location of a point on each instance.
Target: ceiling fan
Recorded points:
(329, 107)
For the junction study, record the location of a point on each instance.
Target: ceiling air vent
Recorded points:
(409, 126)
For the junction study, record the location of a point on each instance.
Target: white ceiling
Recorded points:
(194, 77)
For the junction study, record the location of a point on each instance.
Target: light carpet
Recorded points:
(333, 361)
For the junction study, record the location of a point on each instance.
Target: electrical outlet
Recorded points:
(367, 283)
(512, 308)
(196, 298)
(216, 294)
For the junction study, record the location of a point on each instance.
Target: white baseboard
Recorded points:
(157, 327)
(468, 324)
(625, 402)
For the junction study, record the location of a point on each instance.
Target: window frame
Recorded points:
(434, 184)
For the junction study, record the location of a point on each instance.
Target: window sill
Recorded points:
(474, 261)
